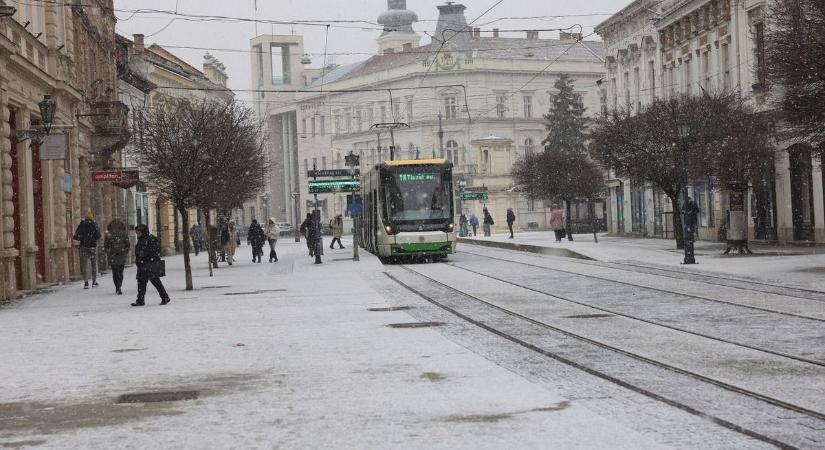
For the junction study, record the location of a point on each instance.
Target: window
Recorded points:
(312, 124)
(452, 151)
(61, 23)
(323, 162)
(501, 106)
(314, 163)
(370, 117)
(759, 57)
(528, 106)
(615, 92)
(706, 71)
(323, 125)
(358, 121)
(337, 123)
(637, 88)
(688, 77)
(651, 67)
(396, 110)
(528, 146)
(409, 109)
(304, 127)
(450, 108)
(280, 64)
(726, 83)
(348, 120)
(383, 114)
(626, 82)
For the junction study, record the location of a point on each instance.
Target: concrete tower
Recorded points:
(398, 35)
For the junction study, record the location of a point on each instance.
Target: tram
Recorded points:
(408, 210)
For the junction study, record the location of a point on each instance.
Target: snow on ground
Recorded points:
(799, 266)
(284, 355)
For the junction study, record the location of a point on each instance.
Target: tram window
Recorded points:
(417, 196)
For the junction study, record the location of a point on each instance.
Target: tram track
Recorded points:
(772, 402)
(657, 289)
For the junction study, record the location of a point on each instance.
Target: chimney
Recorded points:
(139, 46)
(495, 32)
(533, 35)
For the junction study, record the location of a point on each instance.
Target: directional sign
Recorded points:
(475, 196)
(475, 189)
(328, 186)
(332, 173)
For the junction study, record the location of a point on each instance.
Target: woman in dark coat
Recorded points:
(147, 251)
(117, 247)
(256, 239)
(488, 222)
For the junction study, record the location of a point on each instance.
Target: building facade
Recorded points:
(66, 52)
(662, 49)
(475, 98)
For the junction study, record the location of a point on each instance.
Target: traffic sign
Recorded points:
(474, 196)
(332, 173)
(329, 186)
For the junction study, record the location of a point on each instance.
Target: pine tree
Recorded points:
(565, 121)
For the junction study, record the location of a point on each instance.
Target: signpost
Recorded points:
(333, 186)
(483, 196)
(356, 208)
(332, 173)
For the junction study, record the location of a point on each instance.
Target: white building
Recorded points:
(657, 49)
(487, 93)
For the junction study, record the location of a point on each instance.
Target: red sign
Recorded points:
(119, 177)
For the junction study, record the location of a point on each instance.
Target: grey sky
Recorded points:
(226, 35)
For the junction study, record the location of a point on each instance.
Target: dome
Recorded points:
(398, 19)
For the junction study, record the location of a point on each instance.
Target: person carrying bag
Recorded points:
(150, 267)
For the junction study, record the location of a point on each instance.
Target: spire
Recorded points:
(398, 31)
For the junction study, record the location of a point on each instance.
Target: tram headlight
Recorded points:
(450, 227)
(389, 229)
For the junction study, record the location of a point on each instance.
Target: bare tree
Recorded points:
(725, 139)
(192, 151)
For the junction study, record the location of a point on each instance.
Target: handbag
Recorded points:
(157, 268)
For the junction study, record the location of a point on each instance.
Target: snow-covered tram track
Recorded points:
(779, 423)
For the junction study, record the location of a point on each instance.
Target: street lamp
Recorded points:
(47, 109)
(683, 129)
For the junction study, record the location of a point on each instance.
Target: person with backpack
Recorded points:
(511, 219)
(117, 245)
(474, 223)
(88, 233)
(150, 267)
(488, 222)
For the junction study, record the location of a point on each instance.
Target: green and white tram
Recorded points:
(408, 209)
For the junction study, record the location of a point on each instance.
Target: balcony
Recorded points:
(111, 127)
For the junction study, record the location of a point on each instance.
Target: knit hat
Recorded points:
(89, 215)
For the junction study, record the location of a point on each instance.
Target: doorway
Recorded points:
(39, 222)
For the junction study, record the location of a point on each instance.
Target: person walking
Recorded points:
(511, 219)
(337, 225)
(88, 233)
(488, 223)
(272, 235)
(224, 240)
(215, 242)
(256, 239)
(557, 222)
(474, 223)
(117, 245)
(306, 228)
(232, 244)
(462, 225)
(196, 233)
(149, 266)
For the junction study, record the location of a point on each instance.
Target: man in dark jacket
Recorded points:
(256, 239)
(306, 228)
(511, 219)
(691, 214)
(147, 252)
(117, 247)
(88, 233)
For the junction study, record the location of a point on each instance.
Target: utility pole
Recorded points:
(316, 219)
(353, 161)
(440, 135)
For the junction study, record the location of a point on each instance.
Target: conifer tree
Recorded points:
(565, 121)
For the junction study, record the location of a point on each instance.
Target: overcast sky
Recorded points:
(169, 30)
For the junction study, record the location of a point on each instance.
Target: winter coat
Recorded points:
(474, 220)
(234, 237)
(691, 214)
(256, 236)
(214, 237)
(511, 217)
(462, 220)
(556, 220)
(306, 226)
(196, 234)
(337, 228)
(272, 230)
(225, 237)
(117, 247)
(488, 219)
(87, 233)
(147, 250)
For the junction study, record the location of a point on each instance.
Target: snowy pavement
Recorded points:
(801, 266)
(282, 355)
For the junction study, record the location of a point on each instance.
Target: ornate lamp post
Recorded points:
(683, 128)
(47, 109)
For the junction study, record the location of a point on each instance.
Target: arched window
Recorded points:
(529, 148)
(452, 151)
(411, 150)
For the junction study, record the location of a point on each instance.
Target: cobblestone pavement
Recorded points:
(713, 370)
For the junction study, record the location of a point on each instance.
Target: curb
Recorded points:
(552, 251)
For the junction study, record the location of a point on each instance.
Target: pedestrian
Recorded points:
(224, 240)
(488, 222)
(474, 223)
(462, 225)
(88, 233)
(557, 222)
(150, 268)
(690, 211)
(337, 225)
(256, 239)
(233, 242)
(273, 232)
(306, 227)
(214, 243)
(117, 245)
(511, 218)
(196, 233)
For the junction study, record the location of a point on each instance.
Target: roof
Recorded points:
(180, 65)
(481, 48)
(415, 162)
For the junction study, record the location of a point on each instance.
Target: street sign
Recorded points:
(475, 189)
(115, 175)
(54, 146)
(331, 186)
(332, 173)
(355, 209)
(474, 196)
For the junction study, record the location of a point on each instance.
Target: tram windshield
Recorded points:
(416, 195)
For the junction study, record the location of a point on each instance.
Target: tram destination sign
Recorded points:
(331, 186)
(332, 173)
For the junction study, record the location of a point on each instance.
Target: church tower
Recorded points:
(398, 35)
